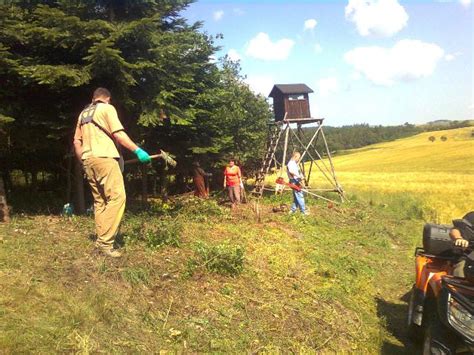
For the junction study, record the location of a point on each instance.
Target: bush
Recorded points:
(431, 138)
(224, 259)
(155, 232)
(200, 210)
(165, 231)
(444, 138)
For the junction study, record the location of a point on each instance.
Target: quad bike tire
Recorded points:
(436, 339)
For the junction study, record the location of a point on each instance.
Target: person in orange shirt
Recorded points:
(233, 182)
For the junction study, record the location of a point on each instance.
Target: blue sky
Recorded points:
(369, 61)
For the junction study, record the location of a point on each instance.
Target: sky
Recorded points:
(381, 62)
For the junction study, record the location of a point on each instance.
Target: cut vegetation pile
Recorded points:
(196, 278)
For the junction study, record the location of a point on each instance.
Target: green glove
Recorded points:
(142, 155)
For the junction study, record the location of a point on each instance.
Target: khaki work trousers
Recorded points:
(108, 190)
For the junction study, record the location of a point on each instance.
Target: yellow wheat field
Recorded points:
(439, 173)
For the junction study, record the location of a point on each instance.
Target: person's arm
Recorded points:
(124, 140)
(115, 126)
(459, 241)
(77, 142)
(225, 178)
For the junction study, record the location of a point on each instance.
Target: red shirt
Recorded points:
(232, 175)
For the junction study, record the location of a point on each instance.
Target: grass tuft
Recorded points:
(225, 258)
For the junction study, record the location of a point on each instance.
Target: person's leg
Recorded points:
(237, 194)
(300, 200)
(110, 180)
(97, 194)
(459, 268)
(230, 191)
(294, 205)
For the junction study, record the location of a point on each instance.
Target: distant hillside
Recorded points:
(445, 124)
(361, 135)
(437, 172)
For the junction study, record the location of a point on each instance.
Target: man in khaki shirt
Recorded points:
(98, 132)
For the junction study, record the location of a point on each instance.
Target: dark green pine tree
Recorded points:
(167, 91)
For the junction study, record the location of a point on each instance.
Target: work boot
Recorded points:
(113, 253)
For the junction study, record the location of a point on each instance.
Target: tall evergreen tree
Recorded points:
(53, 53)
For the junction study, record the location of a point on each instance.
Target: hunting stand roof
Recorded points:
(289, 89)
(291, 101)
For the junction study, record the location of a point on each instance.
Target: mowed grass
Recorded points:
(322, 283)
(439, 174)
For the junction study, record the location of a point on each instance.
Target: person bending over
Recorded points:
(295, 177)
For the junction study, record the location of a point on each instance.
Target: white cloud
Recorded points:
(217, 15)
(260, 84)
(449, 57)
(317, 48)
(328, 86)
(233, 55)
(238, 11)
(407, 60)
(356, 76)
(376, 17)
(261, 47)
(465, 3)
(310, 24)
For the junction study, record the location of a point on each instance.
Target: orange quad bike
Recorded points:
(441, 307)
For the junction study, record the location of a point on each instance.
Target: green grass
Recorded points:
(288, 284)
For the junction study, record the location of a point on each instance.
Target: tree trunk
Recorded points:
(4, 212)
(80, 204)
(7, 179)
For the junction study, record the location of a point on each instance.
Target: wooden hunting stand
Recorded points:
(286, 135)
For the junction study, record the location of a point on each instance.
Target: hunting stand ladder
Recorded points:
(286, 135)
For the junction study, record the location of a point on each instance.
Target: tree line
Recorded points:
(169, 92)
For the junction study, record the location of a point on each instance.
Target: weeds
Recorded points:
(200, 210)
(154, 231)
(136, 275)
(224, 259)
(166, 231)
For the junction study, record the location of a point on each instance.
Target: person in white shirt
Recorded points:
(295, 176)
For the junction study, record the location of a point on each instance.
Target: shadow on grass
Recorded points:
(395, 316)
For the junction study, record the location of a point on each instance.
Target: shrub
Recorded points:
(164, 231)
(200, 210)
(224, 259)
(443, 138)
(431, 138)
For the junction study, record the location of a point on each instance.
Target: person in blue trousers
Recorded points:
(295, 176)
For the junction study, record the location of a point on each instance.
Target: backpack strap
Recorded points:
(87, 116)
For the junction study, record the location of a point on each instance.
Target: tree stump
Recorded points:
(4, 211)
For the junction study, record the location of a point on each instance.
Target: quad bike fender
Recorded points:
(428, 275)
